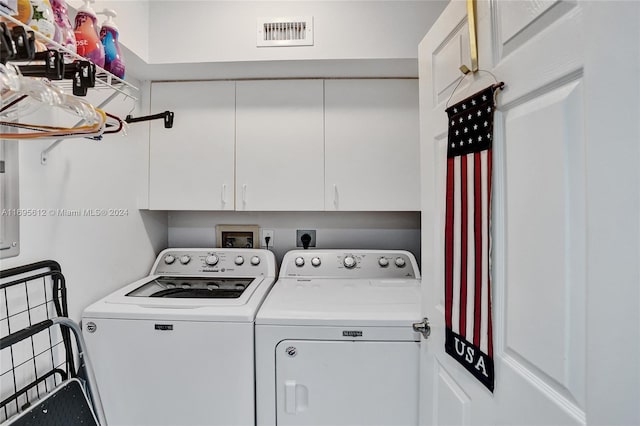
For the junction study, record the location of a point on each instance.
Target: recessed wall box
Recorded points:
(238, 236)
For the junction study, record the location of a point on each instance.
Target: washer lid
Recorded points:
(342, 302)
(192, 288)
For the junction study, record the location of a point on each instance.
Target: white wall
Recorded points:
(211, 31)
(97, 254)
(352, 230)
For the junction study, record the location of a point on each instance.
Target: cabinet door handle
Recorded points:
(223, 195)
(335, 196)
(244, 195)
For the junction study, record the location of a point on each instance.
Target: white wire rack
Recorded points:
(104, 79)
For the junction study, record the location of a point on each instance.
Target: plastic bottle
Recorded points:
(86, 31)
(37, 14)
(113, 59)
(64, 31)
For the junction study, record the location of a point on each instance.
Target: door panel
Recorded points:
(451, 403)
(191, 165)
(519, 21)
(447, 58)
(346, 383)
(371, 145)
(280, 145)
(545, 248)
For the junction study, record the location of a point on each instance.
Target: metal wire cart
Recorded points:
(40, 348)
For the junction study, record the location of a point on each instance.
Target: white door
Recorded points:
(330, 382)
(371, 145)
(279, 145)
(565, 236)
(191, 165)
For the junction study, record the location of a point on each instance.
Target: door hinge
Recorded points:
(423, 327)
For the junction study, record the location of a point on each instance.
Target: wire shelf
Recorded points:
(104, 79)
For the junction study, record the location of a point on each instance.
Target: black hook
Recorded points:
(167, 116)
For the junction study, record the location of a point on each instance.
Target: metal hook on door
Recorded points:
(473, 39)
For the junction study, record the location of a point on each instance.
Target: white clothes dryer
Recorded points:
(177, 347)
(334, 340)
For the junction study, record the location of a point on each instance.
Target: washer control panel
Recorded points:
(350, 263)
(215, 261)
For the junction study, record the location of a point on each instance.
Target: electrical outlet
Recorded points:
(263, 238)
(301, 232)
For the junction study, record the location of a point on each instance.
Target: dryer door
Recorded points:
(346, 383)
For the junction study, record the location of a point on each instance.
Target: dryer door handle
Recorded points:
(296, 397)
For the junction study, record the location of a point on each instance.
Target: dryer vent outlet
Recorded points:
(306, 238)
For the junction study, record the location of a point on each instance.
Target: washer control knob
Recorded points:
(185, 259)
(211, 260)
(255, 260)
(349, 262)
(400, 262)
(316, 261)
(383, 262)
(169, 259)
(239, 260)
(299, 261)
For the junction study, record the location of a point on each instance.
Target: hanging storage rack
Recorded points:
(104, 80)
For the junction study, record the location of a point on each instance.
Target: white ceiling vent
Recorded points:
(289, 31)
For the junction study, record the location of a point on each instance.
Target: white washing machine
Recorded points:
(335, 343)
(177, 347)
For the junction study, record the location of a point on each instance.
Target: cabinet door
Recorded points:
(372, 145)
(279, 145)
(191, 165)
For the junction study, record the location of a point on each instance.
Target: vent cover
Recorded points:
(296, 31)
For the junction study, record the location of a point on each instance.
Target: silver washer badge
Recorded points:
(91, 327)
(291, 351)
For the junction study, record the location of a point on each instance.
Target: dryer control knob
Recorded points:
(255, 260)
(400, 262)
(316, 261)
(349, 262)
(299, 261)
(383, 262)
(185, 259)
(211, 260)
(169, 259)
(239, 260)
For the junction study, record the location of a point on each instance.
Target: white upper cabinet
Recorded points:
(372, 145)
(191, 166)
(279, 145)
(286, 145)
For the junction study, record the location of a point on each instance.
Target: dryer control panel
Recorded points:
(215, 262)
(350, 264)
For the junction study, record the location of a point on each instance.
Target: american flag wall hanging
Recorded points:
(467, 239)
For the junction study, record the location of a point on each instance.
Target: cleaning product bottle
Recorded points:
(86, 31)
(37, 14)
(64, 31)
(113, 60)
